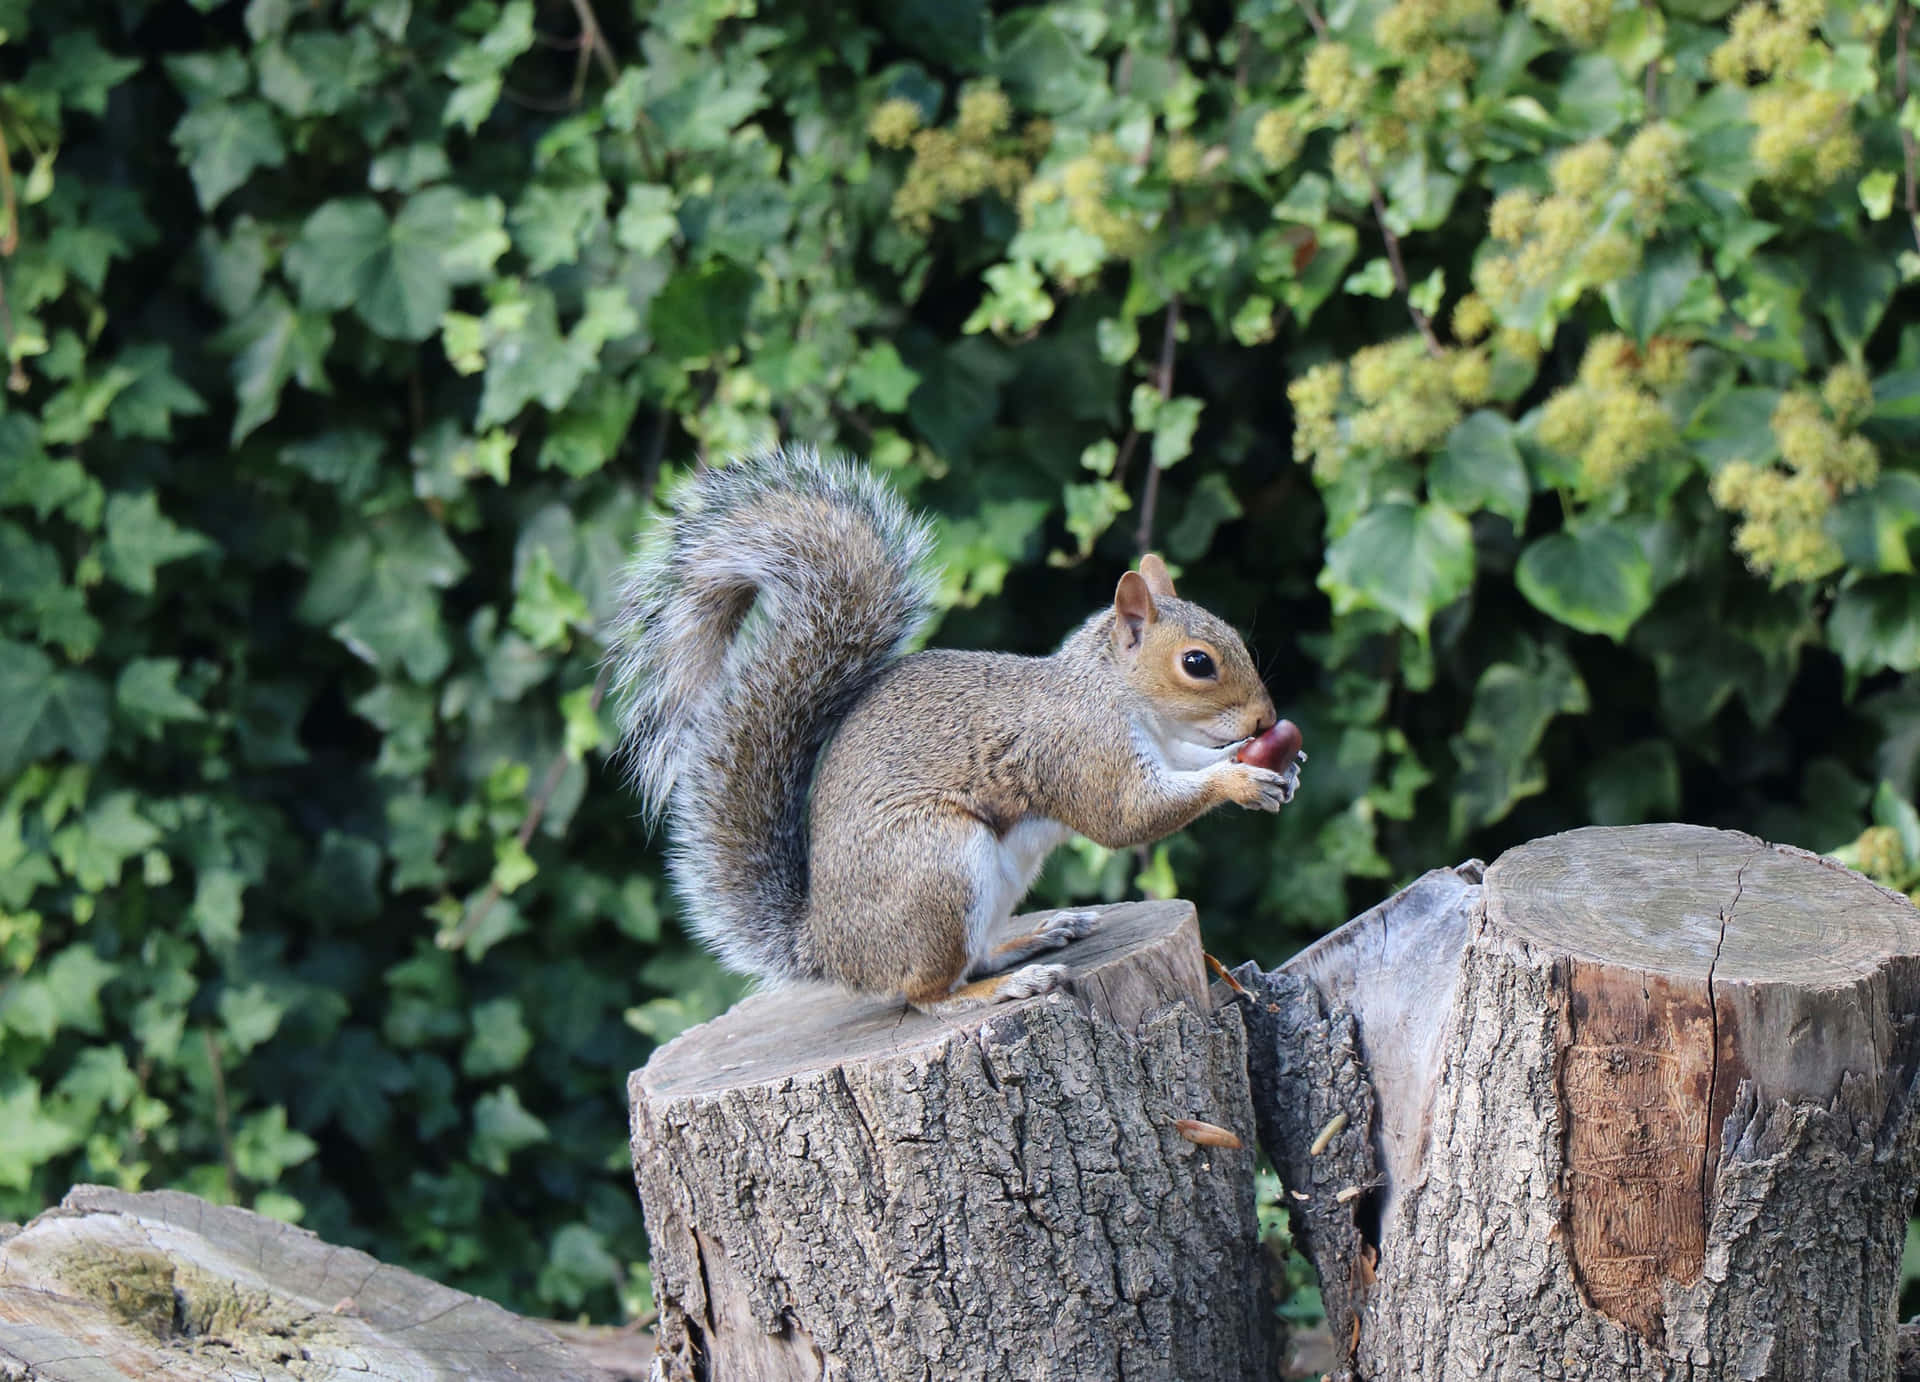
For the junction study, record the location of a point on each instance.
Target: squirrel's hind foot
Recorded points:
(1051, 933)
(1026, 982)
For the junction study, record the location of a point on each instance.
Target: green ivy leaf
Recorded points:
(1174, 423)
(33, 1137)
(533, 363)
(264, 1146)
(216, 908)
(1409, 560)
(1896, 812)
(701, 310)
(551, 222)
(1876, 625)
(95, 848)
(273, 343)
(140, 538)
(545, 607)
(477, 68)
(500, 1039)
(881, 378)
(1212, 503)
(79, 73)
(146, 693)
(1480, 467)
(646, 221)
(1596, 578)
(1496, 749)
(1853, 287)
(1873, 525)
(250, 1015)
(397, 275)
(1646, 300)
(1634, 785)
(224, 143)
(501, 1127)
(577, 1263)
(47, 710)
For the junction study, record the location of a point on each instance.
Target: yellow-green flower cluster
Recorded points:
(1334, 84)
(1435, 79)
(1277, 137)
(1472, 318)
(954, 165)
(1878, 853)
(1583, 21)
(984, 112)
(1409, 28)
(1650, 169)
(1315, 397)
(1783, 509)
(893, 123)
(1084, 183)
(1848, 394)
(1395, 399)
(1186, 159)
(1601, 206)
(1763, 40)
(1609, 419)
(1803, 136)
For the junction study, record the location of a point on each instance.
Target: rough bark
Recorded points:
(111, 1286)
(1641, 1107)
(839, 1187)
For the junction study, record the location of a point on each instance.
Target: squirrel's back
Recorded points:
(752, 618)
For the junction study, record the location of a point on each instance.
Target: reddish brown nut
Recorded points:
(1273, 750)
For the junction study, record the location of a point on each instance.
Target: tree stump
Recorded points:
(1641, 1106)
(842, 1187)
(112, 1286)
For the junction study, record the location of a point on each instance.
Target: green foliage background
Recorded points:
(349, 345)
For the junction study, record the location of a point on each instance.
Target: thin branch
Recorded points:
(220, 1112)
(595, 38)
(1394, 261)
(1124, 457)
(1150, 496)
(545, 104)
(1899, 105)
(1400, 279)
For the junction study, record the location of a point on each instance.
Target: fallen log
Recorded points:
(842, 1187)
(112, 1285)
(1640, 1105)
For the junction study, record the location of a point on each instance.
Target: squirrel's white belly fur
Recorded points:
(1004, 867)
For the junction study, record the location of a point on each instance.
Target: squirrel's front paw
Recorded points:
(1262, 789)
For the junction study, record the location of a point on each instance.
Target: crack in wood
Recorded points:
(1711, 1143)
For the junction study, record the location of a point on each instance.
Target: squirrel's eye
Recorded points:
(1196, 664)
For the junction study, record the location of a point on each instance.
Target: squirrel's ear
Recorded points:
(1132, 611)
(1154, 572)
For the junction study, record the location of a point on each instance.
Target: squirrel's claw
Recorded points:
(1273, 790)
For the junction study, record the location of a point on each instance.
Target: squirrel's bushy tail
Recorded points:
(753, 617)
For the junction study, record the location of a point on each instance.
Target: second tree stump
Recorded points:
(1641, 1107)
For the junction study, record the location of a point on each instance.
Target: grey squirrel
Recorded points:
(840, 809)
